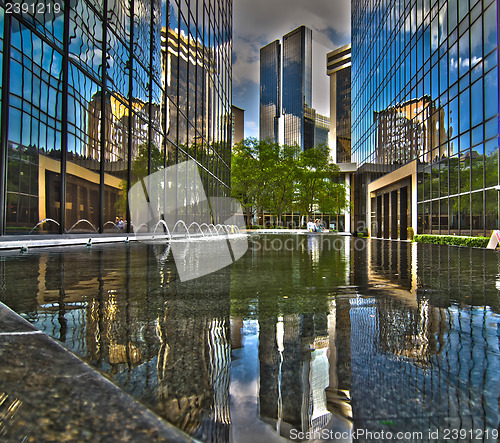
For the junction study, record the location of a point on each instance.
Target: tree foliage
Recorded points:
(280, 179)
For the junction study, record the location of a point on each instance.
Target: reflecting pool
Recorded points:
(305, 336)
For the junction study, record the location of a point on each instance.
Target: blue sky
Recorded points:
(259, 22)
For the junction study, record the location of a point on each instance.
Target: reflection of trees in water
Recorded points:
(284, 266)
(194, 359)
(432, 353)
(426, 346)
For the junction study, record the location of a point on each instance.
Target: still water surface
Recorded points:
(305, 333)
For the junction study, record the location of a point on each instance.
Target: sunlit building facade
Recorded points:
(321, 129)
(297, 88)
(93, 98)
(338, 68)
(425, 116)
(237, 125)
(286, 112)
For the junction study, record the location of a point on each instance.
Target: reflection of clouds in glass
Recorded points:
(466, 62)
(96, 57)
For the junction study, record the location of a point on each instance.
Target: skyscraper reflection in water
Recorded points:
(372, 334)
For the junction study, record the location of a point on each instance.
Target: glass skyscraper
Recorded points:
(425, 116)
(270, 91)
(339, 70)
(96, 95)
(297, 88)
(286, 92)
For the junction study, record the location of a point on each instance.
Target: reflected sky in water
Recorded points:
(304, 333)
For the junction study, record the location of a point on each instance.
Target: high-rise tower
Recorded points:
(286, 90)
(270, 91)
(425, 114)
(297, 88)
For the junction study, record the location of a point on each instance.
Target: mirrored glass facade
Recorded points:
(270, 91)
(297, 88)
(95, 95)
(425, 92)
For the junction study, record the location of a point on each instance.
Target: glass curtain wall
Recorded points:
(425, 87)
(270, 91)
(297, 88)
(95, 95)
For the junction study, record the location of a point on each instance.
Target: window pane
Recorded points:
(491, 210)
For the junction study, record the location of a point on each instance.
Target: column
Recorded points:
(379, 216)
(403, 210)
(386, 215)
(394, 214)
(347, 216)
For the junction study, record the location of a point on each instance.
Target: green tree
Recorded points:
(281, 178)
(278, 174)
(316, 179)
(245, 175)
(332, 197)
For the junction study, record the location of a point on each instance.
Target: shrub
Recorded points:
(473, 242)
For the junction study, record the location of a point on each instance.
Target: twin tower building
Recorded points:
(286, 112)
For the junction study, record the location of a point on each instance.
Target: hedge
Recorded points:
(474, 242)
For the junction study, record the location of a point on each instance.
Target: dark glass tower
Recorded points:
(270, 91)
(99, 94)
(425, 115)
(297, 88)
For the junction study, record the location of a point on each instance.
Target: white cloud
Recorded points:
(259, 22)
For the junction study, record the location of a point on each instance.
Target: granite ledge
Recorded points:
(49, 394)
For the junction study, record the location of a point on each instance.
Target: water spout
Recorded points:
(139, 227)
(199, 228)
(162, 222)
(208, 227)
(82, 221)
(222, 228)
(109, 221)
(183, 224)
(43, 221)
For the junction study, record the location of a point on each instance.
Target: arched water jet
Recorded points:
(44, 221)
(138, 227)
(110, 222)
(82, 221)
(199, 228)
(208, 227)
(183, 224)
(220, 227)
(162, 222)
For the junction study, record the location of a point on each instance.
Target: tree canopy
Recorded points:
(281, 178)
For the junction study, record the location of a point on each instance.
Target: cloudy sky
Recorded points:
(259, 22)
